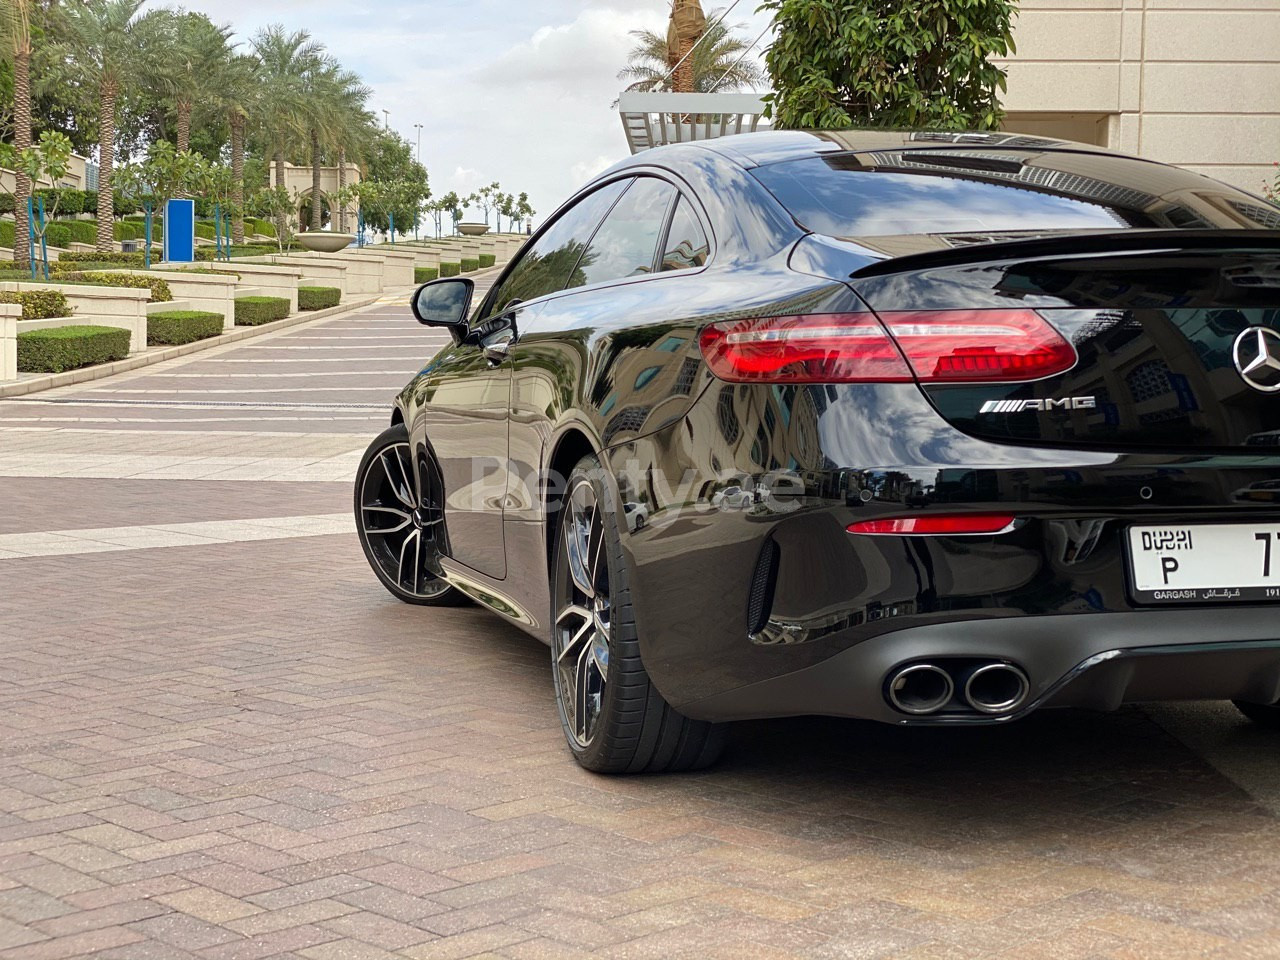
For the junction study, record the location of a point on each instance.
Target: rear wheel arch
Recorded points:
(570, 447)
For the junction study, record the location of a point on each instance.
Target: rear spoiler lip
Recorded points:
(1071, 244)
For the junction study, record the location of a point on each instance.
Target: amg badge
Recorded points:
(1040, 406)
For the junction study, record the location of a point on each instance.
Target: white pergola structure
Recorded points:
(657, 119)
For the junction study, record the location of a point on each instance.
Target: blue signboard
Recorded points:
(180, 231)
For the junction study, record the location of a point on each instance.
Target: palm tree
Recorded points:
(286, 59)
(104, 37)
(344, 124)
(717, 64)
(236, 90)
(195, 48)
(15, 30)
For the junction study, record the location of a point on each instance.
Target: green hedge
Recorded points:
(256, 225)
(318, 298)
(60, 269)
(488, 260)
(425, 274)
(470, 264)
(182, 326)
(68, 348)
(450, 269)
(70, 203)
(255, 311)
(39, 304)
(246, 250)
(159, 287)
(97, 256)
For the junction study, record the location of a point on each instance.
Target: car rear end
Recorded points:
(1031, 455)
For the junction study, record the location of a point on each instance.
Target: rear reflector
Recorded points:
(951, 346)
(936, 526)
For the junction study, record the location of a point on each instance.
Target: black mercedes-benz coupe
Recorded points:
(922, 428)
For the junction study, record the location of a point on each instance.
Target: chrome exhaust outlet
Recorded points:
(920, 689)
(996, 688)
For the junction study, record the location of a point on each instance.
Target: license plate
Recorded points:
(1205, 563)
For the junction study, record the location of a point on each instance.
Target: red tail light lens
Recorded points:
(980, 346)
(824, 348)
(938, 526)
(950, 346)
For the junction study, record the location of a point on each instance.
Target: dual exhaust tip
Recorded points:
(991, 688)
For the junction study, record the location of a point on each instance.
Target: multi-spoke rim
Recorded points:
(583, 613)
(403, 524)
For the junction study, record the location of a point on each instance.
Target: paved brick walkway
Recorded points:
(238, 750)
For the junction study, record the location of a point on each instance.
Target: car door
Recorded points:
(466, 416)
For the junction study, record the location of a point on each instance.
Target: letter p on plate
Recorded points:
(1168, 565)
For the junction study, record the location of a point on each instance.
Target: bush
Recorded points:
(159, 287)
(205, 231)
(470, 264)
(7, 233)
(39, 304)
(255, 311)
(450, 269)
(98, 256)
(60, 269)
(68, 348)
(256, 225)
(57, 235)
(488, 260)
(425, 274)
(182, 326)
(318, 298)
(247, 250)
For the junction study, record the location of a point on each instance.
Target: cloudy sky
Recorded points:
(517, 91)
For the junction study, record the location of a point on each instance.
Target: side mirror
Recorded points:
(444, 303)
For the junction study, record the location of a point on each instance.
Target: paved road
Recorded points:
(220, 738)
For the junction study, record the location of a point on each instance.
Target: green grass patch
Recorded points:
(318, 298)
(488, 260)
(450, 269)
(470, 264)
(69, 348)
(425, 274)
(255, 311)
(39, 304)
(177, 327)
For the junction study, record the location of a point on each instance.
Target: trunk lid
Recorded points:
(1177, 333)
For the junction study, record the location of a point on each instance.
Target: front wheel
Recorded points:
(1265, 715)
(614, 718)
(400, 519)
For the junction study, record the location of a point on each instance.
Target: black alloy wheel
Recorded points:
(614, 719)
(401, 521)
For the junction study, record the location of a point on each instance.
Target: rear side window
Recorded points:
(902, 192)
(547, 266)
(687, 245)
(626, 245)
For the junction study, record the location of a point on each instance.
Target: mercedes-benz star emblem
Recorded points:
(1257, 355)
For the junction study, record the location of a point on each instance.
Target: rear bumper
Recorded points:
(1093, 662)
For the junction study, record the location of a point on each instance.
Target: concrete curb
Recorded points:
(101, 371)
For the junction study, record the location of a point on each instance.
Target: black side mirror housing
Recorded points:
(445, 303)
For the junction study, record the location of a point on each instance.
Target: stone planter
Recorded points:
(323, 241)
(473, 229)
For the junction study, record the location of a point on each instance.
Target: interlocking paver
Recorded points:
(247, 751)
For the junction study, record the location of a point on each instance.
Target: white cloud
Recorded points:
(520, 93)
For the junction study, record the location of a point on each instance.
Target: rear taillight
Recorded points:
(968, 524)
(949, 346)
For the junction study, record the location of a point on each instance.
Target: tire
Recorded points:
(1260, 713)
(401, 527)
(613, 717)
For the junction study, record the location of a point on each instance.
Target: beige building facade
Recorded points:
(1190, 82)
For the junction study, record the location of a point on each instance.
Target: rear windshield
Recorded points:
(893, 193)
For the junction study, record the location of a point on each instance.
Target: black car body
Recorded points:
(901, 425)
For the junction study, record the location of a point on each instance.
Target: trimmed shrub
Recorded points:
(205, 231)
(39, 304)
(255, 311)
(425, 274)
(182, 326)
(488, 260)
(68, 348)
(247, 250)
(99, 256)
(256, 225)
(159, 287)
(57, 235)
(318, 298)
(450, 269)
(470, 264)
(60, 271)
(6, 233)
